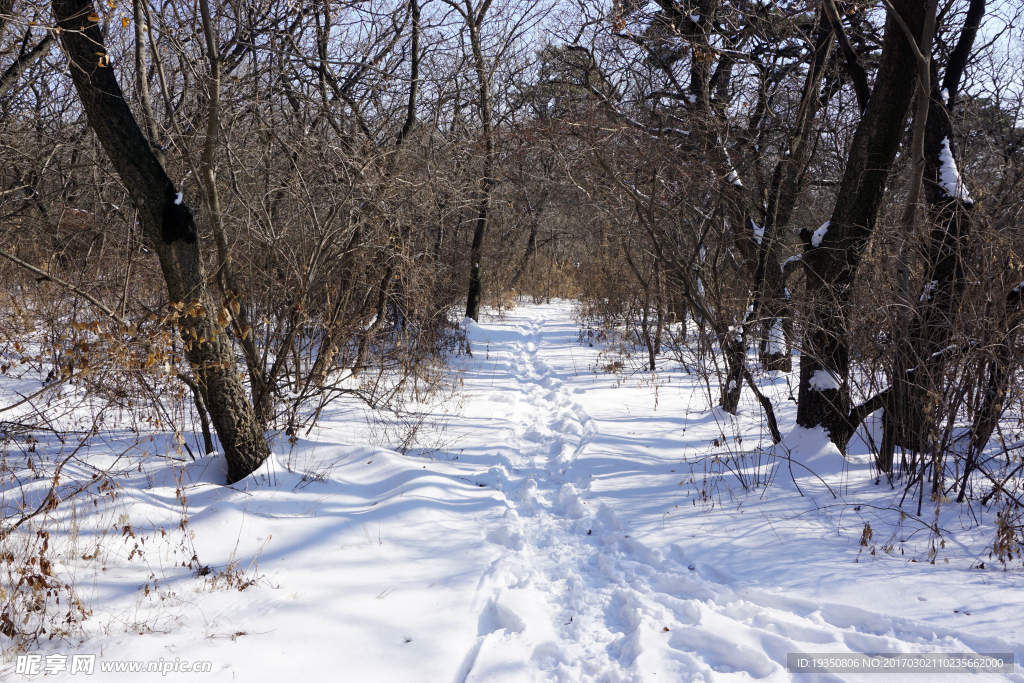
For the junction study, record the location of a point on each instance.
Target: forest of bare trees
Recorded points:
(267, 206)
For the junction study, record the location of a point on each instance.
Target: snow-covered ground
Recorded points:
(575, 526)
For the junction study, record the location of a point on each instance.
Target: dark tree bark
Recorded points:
(170, 230)
(832, 265)
(414, 73)
(524, 261)
(474, 18)
(911, 416)
(852, 63)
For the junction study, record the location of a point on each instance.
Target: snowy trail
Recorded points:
(574, 598)
(557, 535)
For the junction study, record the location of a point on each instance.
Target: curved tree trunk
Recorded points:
(170, 230)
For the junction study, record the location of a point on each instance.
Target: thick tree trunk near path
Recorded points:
(912, 415)
(475, 253)
(831, 266)
(911, 418)
(474, 21)
(170, 231)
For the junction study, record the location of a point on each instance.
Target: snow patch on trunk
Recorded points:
(819, 234)
(822, 380)
(949, 175)
(776, 339)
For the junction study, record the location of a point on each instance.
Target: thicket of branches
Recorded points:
(837, 181)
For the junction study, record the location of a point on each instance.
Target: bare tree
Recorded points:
(170, 230)
(831, 259)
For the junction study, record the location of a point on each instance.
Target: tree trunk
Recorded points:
(524, 262)
(832, 265)
(912, 416)
(771, 303)
(170, 230)
(23, 62)
(474, 20)
(734, 350)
